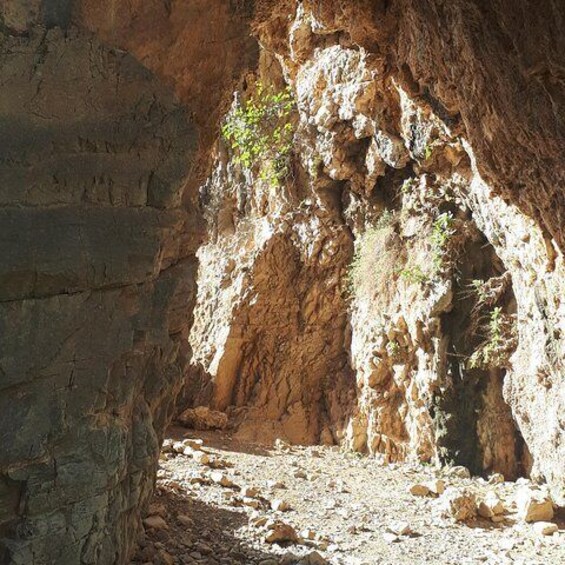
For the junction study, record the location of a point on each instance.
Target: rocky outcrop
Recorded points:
(97, 278)
(451, 292)
(397, 290)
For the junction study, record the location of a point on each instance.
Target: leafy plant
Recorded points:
(442, 231)
(499, 343)
(478, 287)
(384, 220)
(393, 348)
(414, 275)
(408, 185)
(260, 133)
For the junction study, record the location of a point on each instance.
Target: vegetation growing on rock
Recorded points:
(260, 132)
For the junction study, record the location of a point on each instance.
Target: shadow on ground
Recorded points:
(197, 533)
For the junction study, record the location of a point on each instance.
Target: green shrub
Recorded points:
(260, 132)
(499, 343)
(414, 275)
(442, 231)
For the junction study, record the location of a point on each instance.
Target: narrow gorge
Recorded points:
(305, 223)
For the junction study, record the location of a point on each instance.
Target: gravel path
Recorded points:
(217, 504)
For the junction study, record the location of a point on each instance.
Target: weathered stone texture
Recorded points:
(97, 278)
(421, 110)
(108, 111)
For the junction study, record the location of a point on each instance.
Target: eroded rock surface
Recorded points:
(400, 293)
(389, 256)
(97, 273)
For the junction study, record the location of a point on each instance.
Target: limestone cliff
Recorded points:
(386, 296)
(395, 285)
(97, 240)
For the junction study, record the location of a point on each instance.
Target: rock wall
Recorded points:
(97, 238)
(339, 306)
(410, 252)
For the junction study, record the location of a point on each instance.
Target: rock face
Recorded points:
(396, 293)
(97, 278)
(399, 290)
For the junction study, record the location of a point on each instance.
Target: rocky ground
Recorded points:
(220, 501)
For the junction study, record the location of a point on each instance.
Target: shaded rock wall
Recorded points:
(97, 278)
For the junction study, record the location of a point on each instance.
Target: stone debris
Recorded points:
(400, 528)
(273, 484)
(534, 505)
(490, 506)
(308, 534)
(201, 458)
(185, 520)
(459, 504)
(167, 446)
(313, 558)
(390, 537)
(178, 447)
(545, 528)
(496, 479)
(279, 532)
(203, 418)
(350, 511)
(459, 472)
(282, 445)
(260, 521)
(195, 444)
(419, 490)
(155, 522)
(250, 492)
(251, 502)
(166, 557)
(221, 479)
(280, 505)
(437, 486)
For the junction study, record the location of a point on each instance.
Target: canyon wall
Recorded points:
(97, 280)
(400, 292)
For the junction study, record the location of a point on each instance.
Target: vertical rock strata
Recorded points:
(398, 293)
(97, 277)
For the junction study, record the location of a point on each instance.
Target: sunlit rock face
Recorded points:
(397, 294)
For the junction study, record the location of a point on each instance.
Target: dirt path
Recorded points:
(356, 510)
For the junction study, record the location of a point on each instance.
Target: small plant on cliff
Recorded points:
(414, 275)
(393, 349)
(442, 231)
(260, 132)
(370, 260)
(478, 287)
(500, 341)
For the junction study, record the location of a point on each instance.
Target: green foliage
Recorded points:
(499, 342)
(393, 349)
(260, 132)
(408, 185)
(384, 221)
(314, 166)
(442, 231)
(478, 287)
(414, 275)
